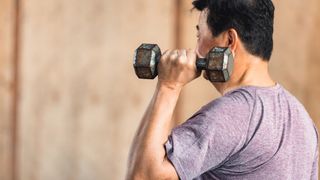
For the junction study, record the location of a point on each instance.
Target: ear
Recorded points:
(233, 40)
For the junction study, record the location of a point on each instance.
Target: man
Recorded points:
(255, 130)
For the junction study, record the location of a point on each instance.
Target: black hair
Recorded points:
(252, 19)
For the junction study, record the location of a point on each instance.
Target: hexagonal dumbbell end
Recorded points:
(219, 64)
(146, 59)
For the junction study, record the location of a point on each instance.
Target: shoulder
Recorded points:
(238, 101)
(231, 111)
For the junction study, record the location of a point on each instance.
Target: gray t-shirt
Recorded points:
(249, 133)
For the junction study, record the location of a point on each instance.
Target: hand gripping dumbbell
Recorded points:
(218, 63)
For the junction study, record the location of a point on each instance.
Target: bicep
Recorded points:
(163, 170)
(314, 173)
(169, 172)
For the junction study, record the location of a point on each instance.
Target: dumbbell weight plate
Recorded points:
(219, 64)
(146, 59)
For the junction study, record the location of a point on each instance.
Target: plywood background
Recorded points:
(79, 100)
(7, 85)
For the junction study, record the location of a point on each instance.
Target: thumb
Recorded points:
(197, 52)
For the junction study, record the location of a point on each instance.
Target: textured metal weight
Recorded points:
(146, 59)
(219, 64)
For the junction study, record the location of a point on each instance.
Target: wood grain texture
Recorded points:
(81, 101)
(313, 76)
(7, 24)
(293, 27)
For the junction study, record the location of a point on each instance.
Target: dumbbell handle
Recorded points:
(201, 63)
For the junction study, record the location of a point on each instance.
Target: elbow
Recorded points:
(155, 176)
(151, 173)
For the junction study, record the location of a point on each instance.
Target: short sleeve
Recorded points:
(314, 173)
(207, 139)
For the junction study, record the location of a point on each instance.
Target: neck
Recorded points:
(255, 72)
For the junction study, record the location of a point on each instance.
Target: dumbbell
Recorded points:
(218, 63)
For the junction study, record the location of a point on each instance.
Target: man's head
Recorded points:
(228, 22)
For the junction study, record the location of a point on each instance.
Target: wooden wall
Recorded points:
(7, 87)
(312, 93)
(79, 101)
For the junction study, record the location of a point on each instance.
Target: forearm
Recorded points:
(147, 148)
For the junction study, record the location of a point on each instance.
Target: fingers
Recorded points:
(172, 55)
(167, 56)
(178, 66)
(182, 56)
(192, 57)
(183, 53)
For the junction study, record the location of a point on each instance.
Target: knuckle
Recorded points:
(190, 51)
(172, 57)
(163, 58)
(181, 58)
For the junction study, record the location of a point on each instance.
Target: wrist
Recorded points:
(174, 87)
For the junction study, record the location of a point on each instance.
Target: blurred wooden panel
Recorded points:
(313, 68)
(7, 24)
(81, 101)
(293, 30)
(295, 62)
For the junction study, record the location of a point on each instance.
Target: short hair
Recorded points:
(252, 19)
